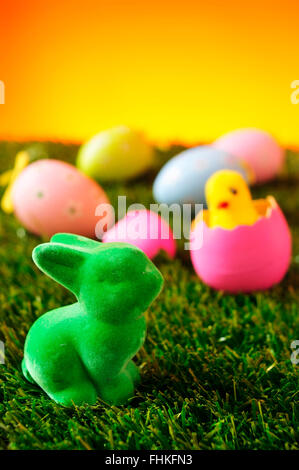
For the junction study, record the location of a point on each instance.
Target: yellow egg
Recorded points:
(116, 154)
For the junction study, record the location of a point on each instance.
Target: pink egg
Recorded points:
(247, 258)
(256, 148)
(144, 229)
(52, 196)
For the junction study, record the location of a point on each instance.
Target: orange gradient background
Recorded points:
(179, 70)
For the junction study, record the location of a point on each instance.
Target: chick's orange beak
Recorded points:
(223, 205)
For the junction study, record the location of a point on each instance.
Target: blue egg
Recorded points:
(182, 179)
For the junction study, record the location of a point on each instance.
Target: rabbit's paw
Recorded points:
(26, 373)
(117, 390)
(77, 394)
(133, 372)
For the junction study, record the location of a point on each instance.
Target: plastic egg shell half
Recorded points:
(52, 196)
(255, 147)
(182, 179)
(144, 229)
(247, 258)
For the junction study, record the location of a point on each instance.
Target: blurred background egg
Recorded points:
(182, 179)
(246, 258)
(144, 229)
(51, 196)
(116, 154)
(255, 147)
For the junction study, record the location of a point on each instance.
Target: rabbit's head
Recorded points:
(114, 281)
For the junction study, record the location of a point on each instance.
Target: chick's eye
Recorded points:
(233, 191)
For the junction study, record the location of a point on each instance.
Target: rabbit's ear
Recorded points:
(75, 240)
(61, 262)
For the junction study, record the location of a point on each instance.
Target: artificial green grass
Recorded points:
(216, 369)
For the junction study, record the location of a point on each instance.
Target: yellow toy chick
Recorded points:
(229, 201)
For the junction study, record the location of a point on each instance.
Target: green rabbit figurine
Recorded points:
(83, 351)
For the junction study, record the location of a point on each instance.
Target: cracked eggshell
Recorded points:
(182, 179)
(52, 196)
(247, 258)
(146, 230)
(255, 147)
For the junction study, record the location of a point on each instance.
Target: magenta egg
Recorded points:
(257, 149)
(144, 229)
(246, 258)
(52, 196)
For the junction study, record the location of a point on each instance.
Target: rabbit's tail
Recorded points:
(26, 372)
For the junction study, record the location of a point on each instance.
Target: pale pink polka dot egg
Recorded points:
(52, 196)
